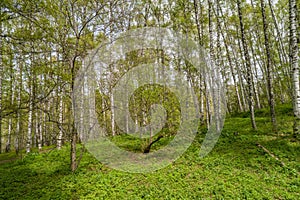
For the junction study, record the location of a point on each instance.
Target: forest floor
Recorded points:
(237, 168)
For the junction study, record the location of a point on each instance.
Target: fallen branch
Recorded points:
(271, 154)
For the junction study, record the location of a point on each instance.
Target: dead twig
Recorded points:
(271, 154)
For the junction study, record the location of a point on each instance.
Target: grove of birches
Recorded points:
(43, 43)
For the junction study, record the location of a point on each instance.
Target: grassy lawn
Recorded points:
(236, 169)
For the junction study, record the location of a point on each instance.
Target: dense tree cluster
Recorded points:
(43, 43)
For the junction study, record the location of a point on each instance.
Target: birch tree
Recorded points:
(294, 63)
(11, 97)
(248, 66)
(269, 67)
(1, 76)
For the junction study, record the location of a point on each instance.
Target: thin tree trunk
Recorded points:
(37, 129)
(73, 152)
(73, 130)
(201, 99)
(112, 107)
(294, 59)
(40, 131)
(248, 66)
(60, 120)
(45, 127)
(212, 55)
(241, 76)
(211, 48)
(201, 109)
(216, 76)
(104, 111)
(231, 65)
(31, 86)
(269, 69)
(19, 123)
(30, 120)
(208, 106)
(260, 63)
(8, 143)
(279, 37)
(255, 88)
(233, 74)
(1, 75)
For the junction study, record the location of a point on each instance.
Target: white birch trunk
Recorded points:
(248, 67)
(294, 62)
(60, 120)
(29, 130)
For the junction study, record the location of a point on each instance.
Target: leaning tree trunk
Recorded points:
(248, 66)
(294, 65)
(240, 77)
(232, 72)
(281, 49)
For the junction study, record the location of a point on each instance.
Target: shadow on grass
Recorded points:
(36, 176)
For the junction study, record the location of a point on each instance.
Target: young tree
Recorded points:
(73, 19)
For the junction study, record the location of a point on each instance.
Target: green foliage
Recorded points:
(146, 96)
(235, 169)
(135, 144)
(281, 110)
